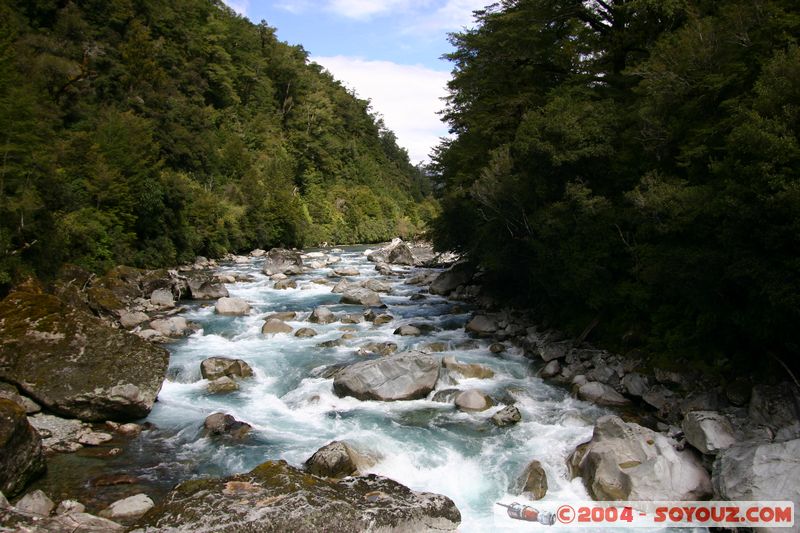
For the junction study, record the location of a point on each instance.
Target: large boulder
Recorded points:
(361, 296)
(273, 326)
(601, 394)
(397, 252)
(203, 287)
(507, 416)
(629, 462)
(276, 497)
(336, 459)
(473, 400)
(281, 261)
(73, 363)
(708, 431)
(21, 458)
(174, 326)
(221, 424)
(481, 325)
(405, 376)
(217, 367)
(232, 307)
(759, 471)
(449, 280)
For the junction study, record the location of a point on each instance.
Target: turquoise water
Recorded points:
(426, 445)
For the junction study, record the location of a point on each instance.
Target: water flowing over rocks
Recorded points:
(74, 364)
(404, 376)
(275, 497)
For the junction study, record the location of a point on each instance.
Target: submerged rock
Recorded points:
(336, 459)
(471, 370)
(275, 497)
(21, 458)
(408, 331)
(74, 364)
(305, 333)
(405, 376)
(629, 462)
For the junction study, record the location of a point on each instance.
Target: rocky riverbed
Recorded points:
(396, 395)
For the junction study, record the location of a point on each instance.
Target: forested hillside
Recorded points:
(634, 164)
(146, 132)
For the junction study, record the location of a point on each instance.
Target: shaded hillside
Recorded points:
(146, 132)
(634, 165)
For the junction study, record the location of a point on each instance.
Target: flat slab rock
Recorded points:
(73, 363)
(278, 497)
(404, 376)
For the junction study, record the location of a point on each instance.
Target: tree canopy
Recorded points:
(633, 162)
(147, 132)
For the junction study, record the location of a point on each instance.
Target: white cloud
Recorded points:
(453, 15)
(407, 96)
(240, 6)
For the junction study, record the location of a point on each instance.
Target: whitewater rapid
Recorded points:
(426, 445)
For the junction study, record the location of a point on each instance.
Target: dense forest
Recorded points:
(146, 132)
(633, 166)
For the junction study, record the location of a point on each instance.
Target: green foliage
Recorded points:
(150, 132)
(635, 162)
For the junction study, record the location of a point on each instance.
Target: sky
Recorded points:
(388, 51)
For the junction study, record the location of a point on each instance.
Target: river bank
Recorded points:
(445, 439)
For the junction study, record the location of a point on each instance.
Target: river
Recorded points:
(426, 445)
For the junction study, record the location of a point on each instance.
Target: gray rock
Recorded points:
(129, 508)
(175, 326)
(708, 431)
(553, 350)
(47, 346)
(471, 370)
(497, 348)
(532, 481)
(376, 286)
(36, 503)
(507, 416)
(204, 287)
(284, 284)
(59, 434)
(222, 385)
(378, 348)
(273, 325)
(382, 319)
(232, 307)
(131, 319)
(397, 252)
(361, 296)
(21, 458)
(346, 271)
(10, 392)
(305, 333)
(94, 438)
(322, 315)
(336, 460)
(481, 325)
(282, 315)
(601, 394)
(352, 318)
(773, 406)
(217, 367)
(405, 376)
(408, 331)
(344, 285)
(759, 471)
(635, 384)
(220, 424)
(277, 497)
(668, 377)
(70, 506)
(281, 261)
(162, 298)
(551, 369)
(629, 462)
(449, 280)
(473, 400)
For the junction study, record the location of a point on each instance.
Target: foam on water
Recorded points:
(425, 445)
